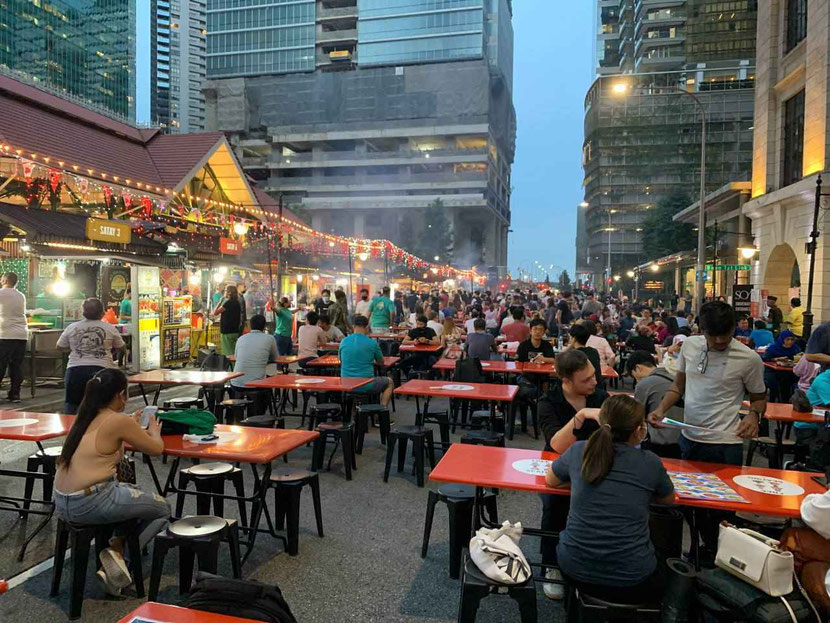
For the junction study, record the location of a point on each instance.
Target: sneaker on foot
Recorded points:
(14, 399)
(109, 589)
(115, 568)
(554, 591)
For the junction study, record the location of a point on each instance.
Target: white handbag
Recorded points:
(756, 559)
(497, 554)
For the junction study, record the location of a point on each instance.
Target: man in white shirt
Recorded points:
(254, 351)
(332, 333)
(13, 334)
(714, 374)
(469, 325)
(361, 308)
(432, 323)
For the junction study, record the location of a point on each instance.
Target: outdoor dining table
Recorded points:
(333, 361)
(152, 612)
(523, 470)
(310, 384)
(163, 378)
(420, 348)
(36, 428)
(236, 444)
(493, 366)
(783, 414)
(485, 392)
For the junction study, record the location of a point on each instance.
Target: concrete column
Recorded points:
(359, 225)
(678, 285)
(317, 221)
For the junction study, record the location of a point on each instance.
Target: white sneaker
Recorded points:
(115, 568)
(554, 591)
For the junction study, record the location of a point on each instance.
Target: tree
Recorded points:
(564, 280)
(428, 234)
(663, 236)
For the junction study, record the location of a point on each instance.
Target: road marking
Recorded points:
(32, 572)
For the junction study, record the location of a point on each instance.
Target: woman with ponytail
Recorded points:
(606, 549)
(86, 491)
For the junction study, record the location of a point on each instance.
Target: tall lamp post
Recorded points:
(812, 245)
(623, 88)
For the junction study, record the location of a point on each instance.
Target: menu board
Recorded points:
(176, 345)
(176, 310)
(149, 303)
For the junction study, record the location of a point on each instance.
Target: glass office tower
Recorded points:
(81, 49)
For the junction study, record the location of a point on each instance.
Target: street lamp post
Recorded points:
(812, 246)
(700, 265)
(608, 264)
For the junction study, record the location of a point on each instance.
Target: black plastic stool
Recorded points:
(364, 414)
(475, 586)
(233, 410)
(209, 479)
(323, 412)
(483, 438)
(185, 402)
(583, 608)
(420, 437)
(288, 484)
(344, 435)
(79, 538)
(262, 400)
(43, 462)
(459, 500)
(195, 536)
(480, 419)
(263, 421)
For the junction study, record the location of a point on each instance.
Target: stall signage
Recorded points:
(108, 231)
(653, 285)
(230, 247)
(742, 299)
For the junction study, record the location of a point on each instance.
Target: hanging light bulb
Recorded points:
(240, 228)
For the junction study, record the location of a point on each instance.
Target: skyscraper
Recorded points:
(642, 137)
(180, 65)
(83, 50)
(364, 112)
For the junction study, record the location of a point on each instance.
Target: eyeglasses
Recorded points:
(704, 360)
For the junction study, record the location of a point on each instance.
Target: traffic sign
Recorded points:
(729, 267)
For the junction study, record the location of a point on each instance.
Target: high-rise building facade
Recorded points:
(404, 102)
(642, 136)
(85, 51)
(180, 28)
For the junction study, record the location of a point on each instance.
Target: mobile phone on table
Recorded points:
(210, 438)
(146, 412)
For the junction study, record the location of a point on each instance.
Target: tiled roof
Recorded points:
(175, 155)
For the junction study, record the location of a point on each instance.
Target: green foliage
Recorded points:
(661, 235)
(564, 280)
(427, 233)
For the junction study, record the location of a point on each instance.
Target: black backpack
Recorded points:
(246, 599)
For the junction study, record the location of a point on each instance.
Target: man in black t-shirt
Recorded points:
(536, 346)
(421, 334)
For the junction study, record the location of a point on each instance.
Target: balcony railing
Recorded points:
(301, 183)
(333, 36)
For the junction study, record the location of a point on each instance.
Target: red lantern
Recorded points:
(107, 196)
(127, 199)
(28, 170)
(148, 206)
(54, 180)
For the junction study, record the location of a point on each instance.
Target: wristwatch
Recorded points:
(756, 413)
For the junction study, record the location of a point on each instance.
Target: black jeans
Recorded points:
(75, 385)
(555, 509)
(11, 357)
(726, 453)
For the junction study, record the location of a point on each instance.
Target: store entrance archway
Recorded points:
(782, 273)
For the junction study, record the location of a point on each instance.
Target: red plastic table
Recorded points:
(333, 361)
(175, 614)
(488, 467)
(310, 383)
(162, 378)
(420, 348)
(35, 428)
(773, 365)
(388, 336)
(494, 366)
(244, 444)
(485, 392)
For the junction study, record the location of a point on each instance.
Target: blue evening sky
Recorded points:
(553, 57)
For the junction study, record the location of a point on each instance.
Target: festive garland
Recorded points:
(145, 203)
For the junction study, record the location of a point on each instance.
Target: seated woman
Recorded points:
(810, 546)
(86, 491)
(780, 383)
(613, 479)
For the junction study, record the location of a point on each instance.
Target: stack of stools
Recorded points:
(584, 607)
(185, 403)
(79, 538)
(44, 462)
(288, 484)
(459, 500)
(196, 536)
(475, 586)
(209, 479)
(343, 434)
(233, 410)
(422, 442)
(323, 412)
(368, 412)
